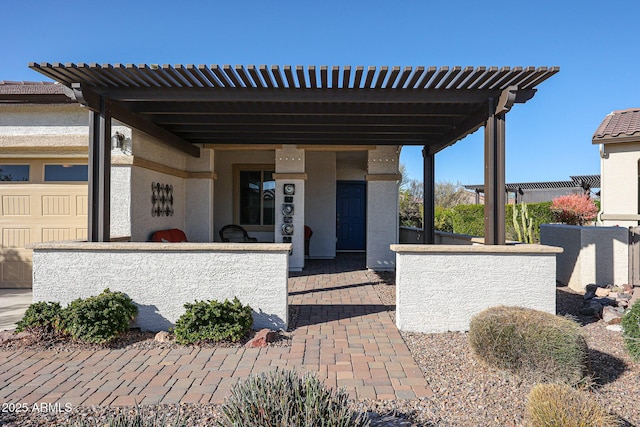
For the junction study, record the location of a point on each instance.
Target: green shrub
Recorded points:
(100, 318)
(558, 405)
(444, 219)
(468, 219)
(631, 331)
(213, 321)
(530, 343)
(42, 317)
(283, 398)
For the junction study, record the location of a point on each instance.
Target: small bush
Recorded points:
(631, 331)
(530, 343)
(468, 219)
(282, 398)
(137, 418)
(100, 318)
(443, 219)
(574, 209)
(41, 317)
(213, 321)
(558, 405)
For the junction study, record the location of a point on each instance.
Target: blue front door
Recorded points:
(351, 203)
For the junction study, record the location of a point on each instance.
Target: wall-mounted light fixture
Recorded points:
(117, 141)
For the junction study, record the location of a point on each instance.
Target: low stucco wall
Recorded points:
(161, 277)
(440, 287)
(597, 255)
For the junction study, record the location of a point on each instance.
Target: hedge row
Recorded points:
(469, 219)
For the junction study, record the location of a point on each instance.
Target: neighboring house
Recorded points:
(43, 173)
(535, 192)
(619, 139)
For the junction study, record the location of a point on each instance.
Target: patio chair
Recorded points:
(235, 234)
(308, 232)
(169, 236)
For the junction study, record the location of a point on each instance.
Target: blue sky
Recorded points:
(595, 43)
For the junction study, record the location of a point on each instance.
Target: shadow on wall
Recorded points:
(590, 254)
(15, 270)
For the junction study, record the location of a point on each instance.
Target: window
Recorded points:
(56, 173)
(14, 173)
(255, 195)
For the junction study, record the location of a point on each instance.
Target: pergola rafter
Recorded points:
(190, 106)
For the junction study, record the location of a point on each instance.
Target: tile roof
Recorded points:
(30, 88)
(33, 93)
(620, 123)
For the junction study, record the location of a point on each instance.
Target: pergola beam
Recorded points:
(93, 100)
(211, 94)
(494, 177)
(99, 218)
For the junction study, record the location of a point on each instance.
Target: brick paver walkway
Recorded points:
(343, 333)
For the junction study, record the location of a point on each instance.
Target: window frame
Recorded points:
(48, 163)
(237, 168)
(28, 165)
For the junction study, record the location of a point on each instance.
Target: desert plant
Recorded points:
(558, 405)
(631, 331)
(137, 417)
(283, 398)
(213, 321)
(530, 343)
(524, 224)
(100, 318)
(574, 209)
(41, 317)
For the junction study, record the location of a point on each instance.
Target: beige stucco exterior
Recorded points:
(619, 183)
(204, 189)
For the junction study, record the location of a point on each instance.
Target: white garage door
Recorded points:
(31, 213)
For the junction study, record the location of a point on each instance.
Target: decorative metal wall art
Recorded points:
(161, 199)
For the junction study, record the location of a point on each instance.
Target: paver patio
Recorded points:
(342, 332)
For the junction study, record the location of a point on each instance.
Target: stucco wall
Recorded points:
(121, 200)
(597, 255)
(440, 287)
(143, 223)
(160, 278)
(223, 205)
(619, 182)
(320, 203)
(382, 207)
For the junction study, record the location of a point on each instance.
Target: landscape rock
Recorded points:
(262, 338)
(163, 336)
(627, 288)
(602, 292)
(614, 328)
(612, 315)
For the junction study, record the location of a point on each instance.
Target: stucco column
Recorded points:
(199, 197)
(383, 180)
(290, 170)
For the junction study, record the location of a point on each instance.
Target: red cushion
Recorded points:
(173, 235)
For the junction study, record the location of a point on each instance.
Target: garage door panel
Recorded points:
(16, 205)
(56, 205)
(33, 213)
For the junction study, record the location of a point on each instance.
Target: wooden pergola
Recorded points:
(189, 106)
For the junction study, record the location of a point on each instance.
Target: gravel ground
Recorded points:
(466, 393)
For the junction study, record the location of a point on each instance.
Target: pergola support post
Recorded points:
(494, 177)
(99, 226)
(428, 222)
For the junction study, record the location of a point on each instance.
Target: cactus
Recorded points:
(524, 228)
